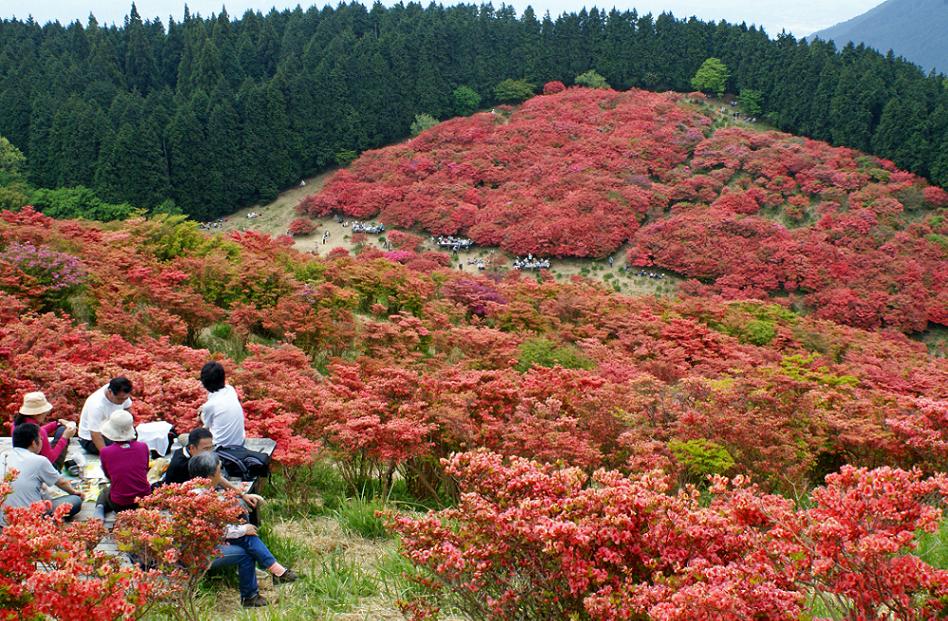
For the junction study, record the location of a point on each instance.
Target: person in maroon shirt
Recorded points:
(125, 463)
(36, 409)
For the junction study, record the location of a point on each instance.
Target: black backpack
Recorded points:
(239, 461)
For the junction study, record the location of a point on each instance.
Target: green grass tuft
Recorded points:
(357, 516)
(337, 584)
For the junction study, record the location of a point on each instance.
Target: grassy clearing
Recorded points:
(349, 564)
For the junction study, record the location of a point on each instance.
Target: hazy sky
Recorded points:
(801, 17)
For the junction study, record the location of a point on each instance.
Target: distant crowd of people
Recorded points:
(209, 226)
(107, 429)
(530, 262)
(372, 228)
(454, 243)
(650, 274)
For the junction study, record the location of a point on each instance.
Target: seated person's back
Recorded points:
(124, 462)
(222, 413)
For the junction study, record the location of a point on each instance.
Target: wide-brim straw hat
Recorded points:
(35, 403)
(120, 427)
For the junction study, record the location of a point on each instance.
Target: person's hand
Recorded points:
(251, 530)
(252, 500)
(70, 432)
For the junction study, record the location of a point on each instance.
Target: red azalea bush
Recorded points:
(554, 87)
(49, 569)
(301, 226)
(177, 530)
(537, 542)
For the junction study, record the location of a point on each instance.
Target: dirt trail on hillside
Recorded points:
(275, 218)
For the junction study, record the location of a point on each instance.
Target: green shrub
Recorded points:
(513, 90)
(80, 202)
(12, 197)
(172, 236)
(759, 332)
(542, 352)
(797, 367)
(221, 330)
(701, 457)
(422, 122)
(711, 77)
(751, 101)
(346, 157)
(591, 79)
(466, 100)
(941, 240)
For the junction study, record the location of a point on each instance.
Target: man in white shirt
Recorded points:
(33, 472)
(114, 396)
(222, 413)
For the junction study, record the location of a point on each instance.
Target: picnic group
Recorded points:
(107, 429)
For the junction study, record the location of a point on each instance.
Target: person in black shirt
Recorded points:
(200, 441)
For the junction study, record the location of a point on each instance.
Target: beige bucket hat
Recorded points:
(120, 427)
(35, 403)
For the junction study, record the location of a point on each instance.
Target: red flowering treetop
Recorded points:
(301, 226)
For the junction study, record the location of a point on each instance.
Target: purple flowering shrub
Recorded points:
(51, 274)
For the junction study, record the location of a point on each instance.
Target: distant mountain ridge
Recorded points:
(914, 29)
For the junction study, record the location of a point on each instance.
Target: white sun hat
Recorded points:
(35, 403)
(120, 427)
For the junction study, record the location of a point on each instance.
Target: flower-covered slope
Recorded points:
(389, 365)
(745, 213)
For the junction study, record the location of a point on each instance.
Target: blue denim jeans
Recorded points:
(245, 552)
(74, 502)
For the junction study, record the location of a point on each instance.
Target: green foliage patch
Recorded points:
(543, 352)
(701, 457)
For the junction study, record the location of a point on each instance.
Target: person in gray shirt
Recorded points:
(32, 472)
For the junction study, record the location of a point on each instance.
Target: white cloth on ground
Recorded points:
(155, 435)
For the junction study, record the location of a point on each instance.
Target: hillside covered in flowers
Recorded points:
(743, 213)
(552, 412)
(393, 365)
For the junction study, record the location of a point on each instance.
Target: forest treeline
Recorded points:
(216, 112)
